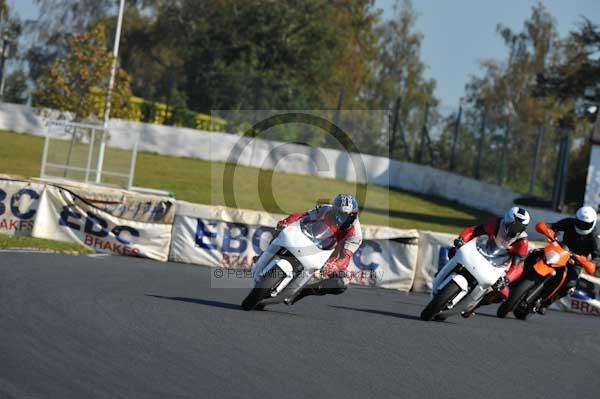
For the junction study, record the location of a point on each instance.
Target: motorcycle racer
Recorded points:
(581, 237)
(509, 232)
(342, 217)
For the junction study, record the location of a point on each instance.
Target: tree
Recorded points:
(10, 31)
(60, 19)
(399, 76)
(356, 22)
(576, 77)
(515, 117)
(16, 89)
(574, 84)
(69, 84)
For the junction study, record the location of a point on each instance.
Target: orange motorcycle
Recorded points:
(544, 279)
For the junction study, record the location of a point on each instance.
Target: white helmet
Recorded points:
(585, 220)
(515, 222)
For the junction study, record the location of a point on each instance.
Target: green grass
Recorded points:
(13, 242)
(202, 182)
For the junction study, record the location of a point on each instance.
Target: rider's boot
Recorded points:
(333, 286)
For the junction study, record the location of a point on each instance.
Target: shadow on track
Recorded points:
(418, 305)
(380, 312)
(493, 316)
(206, 302)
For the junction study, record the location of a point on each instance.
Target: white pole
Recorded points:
(111, 83)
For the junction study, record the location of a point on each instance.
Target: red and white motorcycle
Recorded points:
(296, 255)
(478, 267)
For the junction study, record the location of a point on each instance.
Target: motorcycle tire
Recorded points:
(517, 294)
(439, 302)
(521, 314)
(261, 291)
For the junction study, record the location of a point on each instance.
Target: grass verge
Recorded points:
(16, 242)
(202, 182)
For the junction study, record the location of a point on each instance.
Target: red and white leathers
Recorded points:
(348, 239)
(517, 246)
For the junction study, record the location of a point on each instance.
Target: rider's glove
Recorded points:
(459, 242)
(330, 268)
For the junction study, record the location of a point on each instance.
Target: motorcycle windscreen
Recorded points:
(497, 255)
(320, 233)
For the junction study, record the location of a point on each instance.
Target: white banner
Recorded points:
(64, 216)
(584, 301)
(429, 251)
(387, 257)
(18, 206)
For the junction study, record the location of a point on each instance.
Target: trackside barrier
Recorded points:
(125, 223)
(581, 301)
(19, 199)
(224, 237)
(66, 216)
(429, 249)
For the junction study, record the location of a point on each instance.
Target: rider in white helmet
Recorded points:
(342, 217)
(509, 231)
(581, 236)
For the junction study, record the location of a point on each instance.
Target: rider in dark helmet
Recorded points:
(342, 217)
(581, 236)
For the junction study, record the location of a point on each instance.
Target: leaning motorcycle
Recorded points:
(544, 279)
(293, 257)
(477, 268)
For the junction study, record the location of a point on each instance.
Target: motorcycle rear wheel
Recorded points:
(517, 294)
(439, 302)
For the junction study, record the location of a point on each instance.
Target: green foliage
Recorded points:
(321, 54)
(12, 242)
(16, 87)
(223, 54)
(520, 111)
(69, 84)
(400, 75)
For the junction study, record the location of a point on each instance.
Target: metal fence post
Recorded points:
(133, 162)
(455, 140)
(504, 153)
(477, 172)
(424, 134)
(536, 158)
(45, 153)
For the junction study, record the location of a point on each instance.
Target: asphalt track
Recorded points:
(113, 327)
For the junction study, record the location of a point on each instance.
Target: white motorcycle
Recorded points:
(297, 253)
(478, 267)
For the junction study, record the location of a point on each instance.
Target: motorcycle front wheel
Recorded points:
(517, 295)
(440, 301)
(262, 290)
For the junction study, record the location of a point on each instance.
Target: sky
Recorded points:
(458, 34)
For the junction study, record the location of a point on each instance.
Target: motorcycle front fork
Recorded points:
(535, 298)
